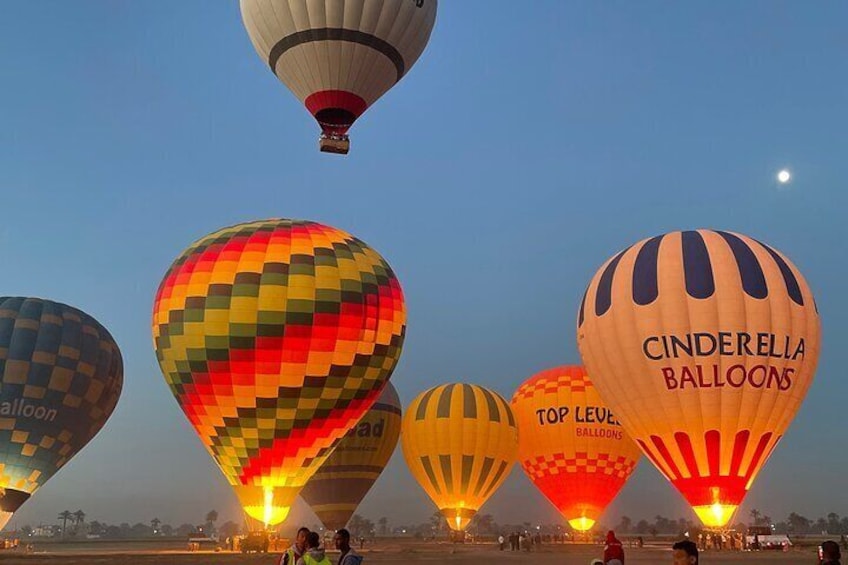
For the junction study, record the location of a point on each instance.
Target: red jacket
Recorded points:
(613, 549)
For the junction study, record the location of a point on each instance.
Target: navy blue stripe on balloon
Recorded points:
(697, 268)
(582, 308)
(792, 286)
(753, 278)
(645, 286)
(603, 299)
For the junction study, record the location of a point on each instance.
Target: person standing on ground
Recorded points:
(501, 542)
(685, 553)
(314, 553)
(830, 554)
(613, 550)
(348, 555)
(297, 549)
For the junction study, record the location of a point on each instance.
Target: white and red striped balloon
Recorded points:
(339, 56)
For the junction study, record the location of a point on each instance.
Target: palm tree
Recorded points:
(755, 516)
(79, 518)
(154, 523)
(211, 518)
(65, 515)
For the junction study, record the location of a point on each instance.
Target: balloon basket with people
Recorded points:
(334, 143)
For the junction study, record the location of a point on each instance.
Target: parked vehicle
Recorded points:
(762, 537)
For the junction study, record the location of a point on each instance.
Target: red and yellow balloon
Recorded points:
(276, 337)
(571, 445)
(704, 343)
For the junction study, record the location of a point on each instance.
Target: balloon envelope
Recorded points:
(571, 445)
(338, 487)
(275, 337)
(61, 374)
(460, 442)
(704, 344)
(339, 56)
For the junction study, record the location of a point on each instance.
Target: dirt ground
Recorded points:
(401, 554)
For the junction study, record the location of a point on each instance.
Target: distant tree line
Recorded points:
(72, 525)
(794, 524)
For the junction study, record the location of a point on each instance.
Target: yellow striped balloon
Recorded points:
(460, 442)
(336, 489)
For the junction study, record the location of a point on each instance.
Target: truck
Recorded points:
(763, 537)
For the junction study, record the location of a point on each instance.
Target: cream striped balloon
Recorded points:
(704, 344)
(339, 56)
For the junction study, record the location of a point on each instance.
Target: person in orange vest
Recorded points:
(613, 550)
(314, 552)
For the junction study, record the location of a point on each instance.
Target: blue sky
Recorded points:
(529, 143)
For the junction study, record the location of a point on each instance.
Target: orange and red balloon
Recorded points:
(571, 445)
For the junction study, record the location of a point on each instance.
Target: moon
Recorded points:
(784, 176)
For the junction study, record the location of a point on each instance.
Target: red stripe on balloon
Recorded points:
(649, 452)
(664, 453)
(685, 446)
(713, 441)
(739, 447)
(761, 448)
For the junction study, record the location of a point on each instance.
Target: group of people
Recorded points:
(732, 541)
(686, 552)
(307, 550)
(519, 541)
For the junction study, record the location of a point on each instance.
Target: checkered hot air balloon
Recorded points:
(61, 374)
(571, 445)
(275, 337)
(704, 344)
(339, 56)
(336, 489)
(459, 442)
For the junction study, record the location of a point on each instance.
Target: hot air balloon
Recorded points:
(704, 344)
(347, 475)
(339, 56)
(61, 374)
(571, 445)
(459, 441)
(276, 337)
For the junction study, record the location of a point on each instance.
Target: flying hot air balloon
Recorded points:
(61, 374)
(459, 441)
(336, 489)
(339, 56)
(276, 337)
(704, 344)
(571, 445)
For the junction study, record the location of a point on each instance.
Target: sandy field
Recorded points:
(391, 554)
